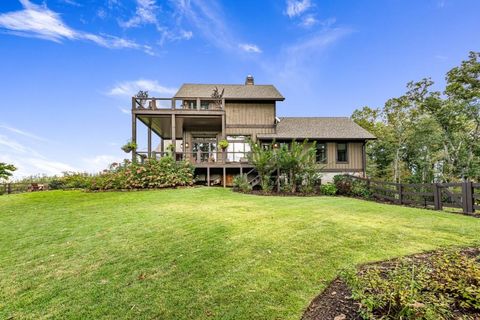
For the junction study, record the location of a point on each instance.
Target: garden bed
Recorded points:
(453, 289)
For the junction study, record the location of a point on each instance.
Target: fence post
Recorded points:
(437, 198)
(400, 193)
(467, 197)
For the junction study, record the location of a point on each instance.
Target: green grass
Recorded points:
(196, 253)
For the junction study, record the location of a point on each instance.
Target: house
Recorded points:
(198, 116)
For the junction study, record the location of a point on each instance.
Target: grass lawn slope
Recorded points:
(198, 253)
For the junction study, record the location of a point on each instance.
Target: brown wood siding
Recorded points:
(250, 113)
(249, 117)
(354, 156)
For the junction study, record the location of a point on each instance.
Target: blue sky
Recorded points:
(69, 66)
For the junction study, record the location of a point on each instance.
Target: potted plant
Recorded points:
(223, 144)
(129, 146)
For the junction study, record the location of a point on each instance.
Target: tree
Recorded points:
(262, 159)
(6, 170)
(427, 136)
(295, 160)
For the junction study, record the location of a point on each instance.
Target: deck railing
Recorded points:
(199, 157)
(198, 104)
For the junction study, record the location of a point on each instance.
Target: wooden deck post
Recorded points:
(241, 171)
(134, 136)
(208, 176)
(198, 103)
(223, 126)
(174, 139)
(149, 138)
(364, 161)
(224, 177)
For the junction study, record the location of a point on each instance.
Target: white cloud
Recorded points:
(309, 21)
(22, 132)
(40, 22)
(125, 110)
(145, 13)
(101, 162)
(27, 160)
(129, 88)
(207, 17)
(298, 62)
(296, 8)
(247, 47)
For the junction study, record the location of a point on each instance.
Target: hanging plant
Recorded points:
(223, 144)
(129, 147)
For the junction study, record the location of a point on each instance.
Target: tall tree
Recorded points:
(425, 136)
(6, 170)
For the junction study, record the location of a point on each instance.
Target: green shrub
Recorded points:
(163, 173)
(56, 184)
(343, 184)
(419, 290)
(240, 183)
(359, 188)
(76, 180)
(328, 189)
(266, 183)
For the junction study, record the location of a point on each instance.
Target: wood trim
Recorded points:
(252, 126)
(346, 153)
(341, 170)
(190, 112)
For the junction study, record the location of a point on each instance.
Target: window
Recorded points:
(204, 105)
(190, 104)
(204, 149)
(238, 148)
(321, 154)
(342, 152)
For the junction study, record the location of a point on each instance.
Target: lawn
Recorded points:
(199, 253)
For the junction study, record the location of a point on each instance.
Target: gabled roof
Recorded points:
(325, 128)
(232, 91)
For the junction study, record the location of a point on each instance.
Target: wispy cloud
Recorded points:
(247, 47)
(129, 88)
(145, 13)
(296, 8)
(39, 21)
(100, 162)
(309, 21)
(27, 160)
(296, 62)
(124, 110)
(23, 133)
(207, 17)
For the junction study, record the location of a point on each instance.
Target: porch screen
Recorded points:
(238, 148)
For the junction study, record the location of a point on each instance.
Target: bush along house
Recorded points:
(210, 125)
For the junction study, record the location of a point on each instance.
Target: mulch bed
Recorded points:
(280, 194)
(335, 302)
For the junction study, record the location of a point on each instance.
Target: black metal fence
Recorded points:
(437, 196)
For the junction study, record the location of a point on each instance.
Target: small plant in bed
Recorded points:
(328, 189)
(240, 183)
(440, 286)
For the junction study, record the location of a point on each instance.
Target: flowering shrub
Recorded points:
(163, 173)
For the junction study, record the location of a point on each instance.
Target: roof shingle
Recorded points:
(326, 128)
(232, 91)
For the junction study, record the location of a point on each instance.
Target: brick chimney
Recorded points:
(249, 81)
